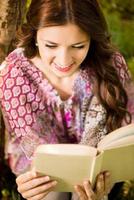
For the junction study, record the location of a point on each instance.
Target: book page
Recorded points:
(120, 162)
(116, 135)
(125, 141)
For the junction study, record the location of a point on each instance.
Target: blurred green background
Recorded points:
(120, 18)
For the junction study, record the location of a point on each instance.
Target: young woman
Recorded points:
(64, 84)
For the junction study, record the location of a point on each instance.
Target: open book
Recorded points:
(71, 164)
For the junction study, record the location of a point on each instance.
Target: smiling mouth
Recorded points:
(63, 69)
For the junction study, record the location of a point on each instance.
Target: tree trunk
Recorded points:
(11, 15)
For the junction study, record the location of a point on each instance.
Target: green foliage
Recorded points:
(122, 32)
(28, 3)
(125, 8)
(26, 9)
(128, 190)
(122, 191)
(121, 29)
(8, 189)
(131, 66)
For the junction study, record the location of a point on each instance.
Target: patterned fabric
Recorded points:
(35, 114)
(126, 79)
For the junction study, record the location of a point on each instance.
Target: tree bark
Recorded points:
(11, 15)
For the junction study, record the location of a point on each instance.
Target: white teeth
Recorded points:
(62, 67)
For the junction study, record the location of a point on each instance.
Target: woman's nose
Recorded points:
(64, 58)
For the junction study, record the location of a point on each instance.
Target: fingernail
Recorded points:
(76, 187)
(54, 183)
(107, 173)
(47, 178)
(34, 174)
(101, 177)
(86, 182)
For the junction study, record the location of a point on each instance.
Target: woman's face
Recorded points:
(62, 49)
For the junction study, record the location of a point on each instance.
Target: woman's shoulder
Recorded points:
(12, 61)
(16, 54)
(12, 57)
(119, 61)
(9, 69)
(121, 66)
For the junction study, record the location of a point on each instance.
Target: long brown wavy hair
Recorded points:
(87, 14)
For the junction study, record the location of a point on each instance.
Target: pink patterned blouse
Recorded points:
(35, 114)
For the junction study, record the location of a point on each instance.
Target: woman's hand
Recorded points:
(33, 186)
(102, 188)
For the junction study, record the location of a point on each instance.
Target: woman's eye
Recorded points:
(79, 47)
(50, 46)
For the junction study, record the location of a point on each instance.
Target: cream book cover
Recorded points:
(71, 164)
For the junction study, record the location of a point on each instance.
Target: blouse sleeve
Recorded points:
(13, 153)
(4, 68)
(95, 123)
(122, 69)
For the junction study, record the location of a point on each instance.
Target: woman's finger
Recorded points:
(88, 189)
(81, 193)
(32, 183)
(26, 177)
(39, 196)
(100, 186)
(107, 182)
(39, 191)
